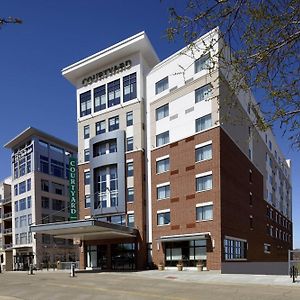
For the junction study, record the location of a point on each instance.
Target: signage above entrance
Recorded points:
(107, 72)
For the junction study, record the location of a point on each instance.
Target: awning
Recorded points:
(184, 237)
(84, 230)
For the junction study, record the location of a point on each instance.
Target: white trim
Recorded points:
(204, 204)
(234, 238)
(162, 157)
(129, 160)
(163, 184)
(87, 170)
(204, 174)
(163, 211)
(185, 235)
(203, 144)
(130, 212)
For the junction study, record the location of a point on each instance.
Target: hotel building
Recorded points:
(163, 175)
(39, 194)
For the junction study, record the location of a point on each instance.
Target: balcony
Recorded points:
(7, 215)
(7, 200)
(7, 231)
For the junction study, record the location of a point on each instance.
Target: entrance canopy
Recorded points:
(184, 237)
(85, 230)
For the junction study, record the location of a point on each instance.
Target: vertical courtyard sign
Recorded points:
(73, 188)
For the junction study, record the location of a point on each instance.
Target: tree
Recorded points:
(10, 20)
(264, 41)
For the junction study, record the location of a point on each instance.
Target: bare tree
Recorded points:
(10, 20)
(264, 41)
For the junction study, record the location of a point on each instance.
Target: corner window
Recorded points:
(162, 112)
(129, 118)
(203, 63)
(203, 123)
(161, 85)
(163, 192)
(162, 165)
(86, 132)
(99, 98)
(204, 212)
(203, 93)
(85, 104)
(163, 218)
(162, 139)
(203, 183)
(100, 127)
(113, 89)
(129, 144)
(129, 87)
(113, 123)
(203, 153)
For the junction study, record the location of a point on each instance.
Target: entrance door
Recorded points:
(102, 257)
(91, 257)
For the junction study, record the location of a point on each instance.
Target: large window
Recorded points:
(22, 187)
(204, 212)
(235, 249)
(203, 93)
(203, 123)
(100, 127)
(45, 202)
(163, 218)
(129, 87)
(113, 89)
(203, 153)
(22, 204)
(85, 104)
(105, 147)
(162, 112)
(45, 185)
(203, 63)
(113, 123)
(99, 98)
(58, 205)
(162, 165)
(204, 183)
(161, 85)
(162, 139)
(44, 164)
(163, 192)
(58, 189)
(57, 168)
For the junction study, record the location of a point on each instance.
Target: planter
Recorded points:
(160, 267)
(179, 267)
(199, 268)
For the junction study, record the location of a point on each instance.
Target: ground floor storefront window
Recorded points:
(22, 261)
(189, 252)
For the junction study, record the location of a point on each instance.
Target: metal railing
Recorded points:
(6, 200)
(7, 230)
(7, 215)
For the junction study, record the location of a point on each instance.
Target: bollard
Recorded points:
(0, 269)
(72, 273)
(30, 270)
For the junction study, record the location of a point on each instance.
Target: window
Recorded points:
(17, 239)
(29, 218)
(28, 184)
(58, 189)
(203, 153)
(235, 249)
(44, 164)
(203, 123)
(162, 112)
(86, 132)
(22, 187)
(45, 185)
(129, 87)
(29, 202)
(130, 220)
(45, 203)
(162, 139)
(86, 154)
(45, 219)
(204, 183)
(163, 192)
(129, 144)
(23, 238)
(105, 147)
(85, 104)
(16, 206)
(113, 89)
(58, 205)
(162, 165)
(113, 123)
(22, 204)
(163, 218)
(16, 222)
(130, 194)
(57, 168)
(129, 169)
(203, 63)
(161, 85)
(87, 201)
(46, 238)
(100, 127)
(99, 98)
(16, 189)
(23, 221)
(129, 118)
(250, 199)
(87, 176)
(203, 93)
(118, 219)
(204, 212)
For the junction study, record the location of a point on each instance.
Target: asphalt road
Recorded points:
(58, 285)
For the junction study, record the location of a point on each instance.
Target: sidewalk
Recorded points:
(215, 277)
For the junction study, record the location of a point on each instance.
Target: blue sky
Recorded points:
(57, 33)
